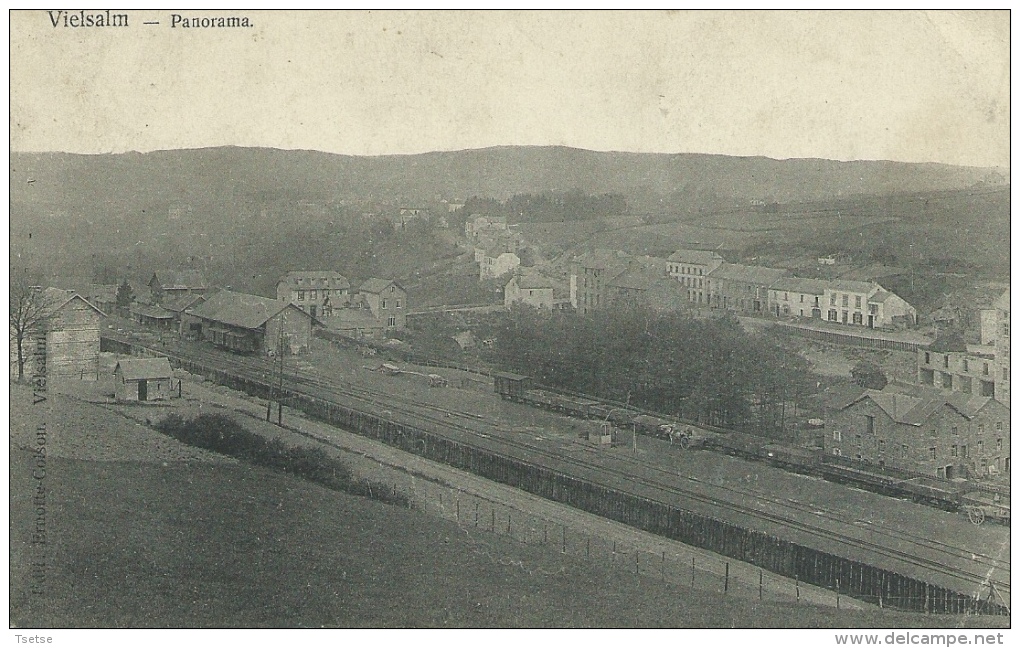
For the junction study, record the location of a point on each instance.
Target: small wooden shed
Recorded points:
(144, 379)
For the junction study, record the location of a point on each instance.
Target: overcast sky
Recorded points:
(912, 86)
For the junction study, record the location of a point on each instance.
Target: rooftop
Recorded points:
(143, 368)
(376, 285)
(239, 309)
(316, 279)
(915, 404)
(696, 257)
(533, 280)
(851, 286)
(181, 280)
(800, 285)
(759, 275)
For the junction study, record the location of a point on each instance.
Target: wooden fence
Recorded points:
(784, 557)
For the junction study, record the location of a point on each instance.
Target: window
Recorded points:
(981, 447)
(858, 318)
(391, 322)
(802, 299)
(832, 299)
(931, 453)
(786, 296)
(384, 303)
(846, 300)
(904, 450)
(1005, 373)
(340, 293)
(945, 361)
(984, 369)
(530, 292)
(981, 428)
(311, 310)
(838, 436)
(956, 431)
(869, 424)
(963, 451)
(857, 301)
(998, 444)
(833, 316)
(998, 426)
(881, 445)
(315, 294)
(954, 450)
(873, 309)
(927, 358)
(934, 432)
(836, 452)
(301, 295)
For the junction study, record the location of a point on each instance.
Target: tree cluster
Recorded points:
(549, 207)
(706, 370)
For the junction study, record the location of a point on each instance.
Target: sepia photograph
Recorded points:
(695, 321)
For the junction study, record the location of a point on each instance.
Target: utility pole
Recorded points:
(279, 391)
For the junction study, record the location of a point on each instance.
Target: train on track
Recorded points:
(809, 461)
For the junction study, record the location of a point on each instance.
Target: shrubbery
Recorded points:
(224, 435)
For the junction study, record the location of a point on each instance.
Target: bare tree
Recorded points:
(29, 313)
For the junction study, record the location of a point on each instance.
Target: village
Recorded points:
(941, 410)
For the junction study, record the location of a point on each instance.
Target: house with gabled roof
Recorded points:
(386, 300)
(173, 283)
(250, 323)
(739, 287)
(923, 430)
(530, 287)
(143, 379)
(797, 297)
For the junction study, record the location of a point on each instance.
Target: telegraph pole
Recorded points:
(279, 390)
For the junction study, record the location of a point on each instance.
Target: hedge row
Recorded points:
(222, 434)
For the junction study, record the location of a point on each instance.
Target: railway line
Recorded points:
(924, 555)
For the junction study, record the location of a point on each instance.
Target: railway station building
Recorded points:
(250, 323)
(923, 430)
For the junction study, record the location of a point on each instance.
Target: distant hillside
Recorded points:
(216, 174)
(239, 208)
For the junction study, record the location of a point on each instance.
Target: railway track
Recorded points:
(628, 471)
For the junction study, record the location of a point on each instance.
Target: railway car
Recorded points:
(511, 386)
(793, 457)
(652, 426)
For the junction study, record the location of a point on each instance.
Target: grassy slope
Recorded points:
(175, 544)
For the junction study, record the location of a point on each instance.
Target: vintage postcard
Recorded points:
(687, 320)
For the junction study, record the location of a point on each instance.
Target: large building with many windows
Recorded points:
(690, 267)
(923, 430)
(317, 292)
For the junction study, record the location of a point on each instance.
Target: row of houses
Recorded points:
(710, 281)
